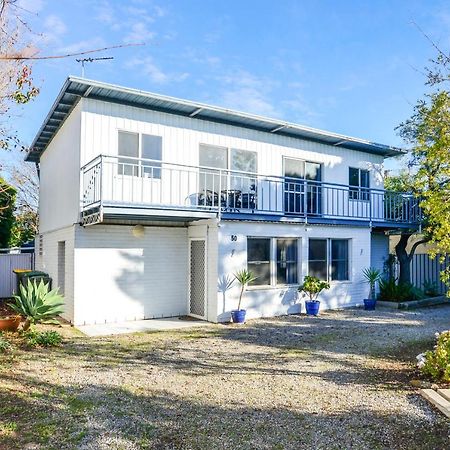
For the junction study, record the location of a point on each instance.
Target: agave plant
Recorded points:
(37, 304)
(244, 277)
(372, 275)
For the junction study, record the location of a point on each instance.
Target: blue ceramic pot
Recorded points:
(312, 308)
(238, 315)
(369, 304)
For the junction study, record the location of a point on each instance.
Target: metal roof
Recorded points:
(75, 88)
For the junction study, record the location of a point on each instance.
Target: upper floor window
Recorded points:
(358, 180)
(328, 259)
(139, 155)
(215, 158)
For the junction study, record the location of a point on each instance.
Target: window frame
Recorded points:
(359, 192)
(273, 284)
(141, 165)
(329, 260)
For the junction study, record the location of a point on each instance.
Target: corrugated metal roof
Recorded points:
(75, 88)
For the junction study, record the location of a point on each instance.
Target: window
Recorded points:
(318, 261)
(287, 271)
(222, 158)
(258, 259)
(339, 259)
(358, 179)
(152, 149)
(329, 259)
(273, 261)
(217, 158)
(130, 146)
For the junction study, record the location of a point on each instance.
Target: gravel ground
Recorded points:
(338, 381)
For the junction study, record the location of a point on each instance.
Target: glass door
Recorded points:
(313, 173)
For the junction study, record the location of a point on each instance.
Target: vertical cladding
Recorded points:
(182, 136)
(278, 300)
(47, 261)
(120, 276)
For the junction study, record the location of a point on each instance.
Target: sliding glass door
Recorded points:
(301, 196)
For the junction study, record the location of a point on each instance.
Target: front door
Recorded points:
(197, 278)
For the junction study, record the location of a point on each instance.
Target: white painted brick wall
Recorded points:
(121, 277)
(266, 302)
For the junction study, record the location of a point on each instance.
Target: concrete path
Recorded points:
(106, 329)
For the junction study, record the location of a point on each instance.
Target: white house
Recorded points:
(149, 204)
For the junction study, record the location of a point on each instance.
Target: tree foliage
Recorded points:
(7, 202)
(428, 133)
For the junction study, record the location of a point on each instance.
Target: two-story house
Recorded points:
(149, 204)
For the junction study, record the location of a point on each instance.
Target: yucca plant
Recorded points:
(243, 277)
(372, 275)
(37, 304)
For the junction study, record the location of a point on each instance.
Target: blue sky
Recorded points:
(351, 67)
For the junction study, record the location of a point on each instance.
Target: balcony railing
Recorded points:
(126, 181)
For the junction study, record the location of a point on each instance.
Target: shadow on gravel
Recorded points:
(102, 416)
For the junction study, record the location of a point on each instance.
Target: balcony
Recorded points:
(125, 188)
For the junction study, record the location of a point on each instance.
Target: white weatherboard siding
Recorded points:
(47, 261)
(59, 186)
(122, 277)
(181, 137)
(273, 301)
(379, 250)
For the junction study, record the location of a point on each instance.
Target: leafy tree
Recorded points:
(428, 133)
(7, 201)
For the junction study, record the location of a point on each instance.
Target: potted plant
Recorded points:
(243, 277)
(312, 287)
(371, 276)
(9, 321)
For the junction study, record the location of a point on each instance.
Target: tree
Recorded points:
(404, 182)
(428, 133)
(7, 200)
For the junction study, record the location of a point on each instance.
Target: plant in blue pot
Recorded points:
(372, 276)
(243, 277)
(311, 288)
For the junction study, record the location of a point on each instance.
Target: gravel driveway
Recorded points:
(338, 381)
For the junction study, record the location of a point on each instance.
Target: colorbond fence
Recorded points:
(9, 262)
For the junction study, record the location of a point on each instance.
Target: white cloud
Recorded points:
(139, 33)
(83, 45)
(151, 70)
(55, 25)
(246, 92)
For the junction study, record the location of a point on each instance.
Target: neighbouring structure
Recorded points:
(149, 205)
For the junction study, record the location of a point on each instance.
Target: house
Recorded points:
(149, 204)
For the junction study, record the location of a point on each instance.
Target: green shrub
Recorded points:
(5, 345)
(436, 363)
(37, 304)
(393, 292)
(42, 339)
(430, 288)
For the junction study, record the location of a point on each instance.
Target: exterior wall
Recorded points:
(122, 277)
(379, 250)
(267, 302)
(47, 261)
(59, 187)
(183, 135)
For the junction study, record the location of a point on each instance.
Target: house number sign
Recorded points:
(233, 238)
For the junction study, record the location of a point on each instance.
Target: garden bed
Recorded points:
(413, 304)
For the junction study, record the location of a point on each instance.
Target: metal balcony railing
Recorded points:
(112, 180)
